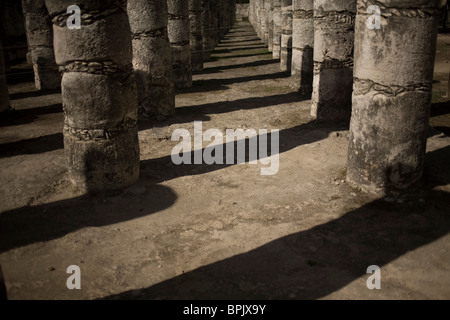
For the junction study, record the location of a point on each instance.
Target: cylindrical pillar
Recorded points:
(195, 14)
(276, 47)
(270, 45)
(206, 32)
(39, 32)
(392, 93)
(302, 45)
(333, 59)
(179, 36)
(286, 35)
(4, 94)
(152, 57)
(99, 94)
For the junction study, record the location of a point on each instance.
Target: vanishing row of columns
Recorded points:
(379, 76)
(128, 57)
(385, 83)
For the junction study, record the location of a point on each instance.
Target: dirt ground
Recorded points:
(221, 231)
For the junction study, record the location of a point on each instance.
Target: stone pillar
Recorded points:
(392, 94)
(258, 17)
(195, 13)
(99, 94)
(38, 28)
(179, 36)
(286, 35)
(251, 13)
(206, 32)
(213, 24)
(276, 48)
(4, 94)
(264, 21)
(302, 45)
(333, 59)
(233, 12)
(270, 45)
(152, 57)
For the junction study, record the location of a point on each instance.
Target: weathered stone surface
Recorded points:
(392, 94)
(276, 47)
(206, 30)
(179, 36)
(286, 35)
(196, 39)
(333, 59)
(303, 45)
(4, 94)
(152, 57)
(40, 43)
(270, 45)
(99, 96)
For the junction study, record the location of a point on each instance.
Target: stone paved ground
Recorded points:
(218, 231)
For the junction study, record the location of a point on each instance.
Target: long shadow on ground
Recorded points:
(314, 263)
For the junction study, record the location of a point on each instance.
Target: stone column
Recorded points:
(206, 32)
(4, 94)
(99, 94)
(179, 36)
(333, 59)
(276, 48)
(233, 12)
(270, 45)
(38, 28)
(302, 45)
(251, 16)
(195, 13)
(264, 21)
(258, 17)
(286, 35)
(392, 94)
(152, 57)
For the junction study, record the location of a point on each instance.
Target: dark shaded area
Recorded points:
(23, 116)
(231, 50)
(29, 225)
(3, 295)
(237, 66)
(20, 75)
(316, 262)
(239, 55)
(221, 84)
(33, 94)
(190, 114)
(32, 146)
(439, 109)
(51, 221)
(163, 169)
